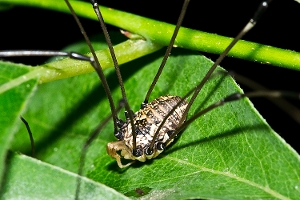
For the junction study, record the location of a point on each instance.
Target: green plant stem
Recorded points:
(187, 38)
(126, 51)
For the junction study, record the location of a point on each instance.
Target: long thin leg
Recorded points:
(88, 142)
(23, 53)
(96, 66)
(128, 111)
(30, 136)
(281, 103)
(168, 51)
(235, 97)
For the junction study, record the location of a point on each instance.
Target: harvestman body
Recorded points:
(147, 121)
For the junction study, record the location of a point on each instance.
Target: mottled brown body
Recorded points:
(146, 121)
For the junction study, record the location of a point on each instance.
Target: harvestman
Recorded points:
(153, 120)
(144, 149)
(147, 133)
(159, 122)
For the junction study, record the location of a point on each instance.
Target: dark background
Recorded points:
(29, 28)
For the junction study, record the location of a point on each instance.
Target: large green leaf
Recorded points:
(228, 153)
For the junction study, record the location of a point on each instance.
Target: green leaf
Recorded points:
(13, 98)
(48, 182)
(227, 153)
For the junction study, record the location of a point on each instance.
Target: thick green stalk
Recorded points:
(187, 38)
